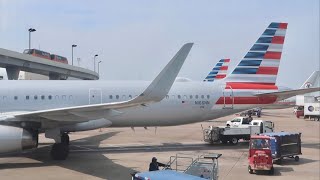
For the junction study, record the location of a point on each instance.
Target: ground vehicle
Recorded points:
(37, 53)
(46, 55)
(233, 134)
(260, 156)
(59, 58)
(312, 110)
(244, 121)
(284, 144)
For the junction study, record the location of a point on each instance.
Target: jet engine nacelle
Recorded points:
(14, 139)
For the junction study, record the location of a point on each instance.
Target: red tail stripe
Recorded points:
(283, 25)
(247, 100)
(226, 60)
(224, 68)
(268, 70)
(272, 55)
(219, 76)
(277, 40)
(235, 85)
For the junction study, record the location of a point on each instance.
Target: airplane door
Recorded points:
(95, 96)
(228, 98)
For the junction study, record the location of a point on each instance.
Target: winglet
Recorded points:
(161, 85)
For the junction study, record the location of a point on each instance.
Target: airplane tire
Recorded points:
(59, 151)
(234, 141)
(65, 138)
(250, 170)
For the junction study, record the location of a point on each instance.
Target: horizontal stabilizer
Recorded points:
(290, 93)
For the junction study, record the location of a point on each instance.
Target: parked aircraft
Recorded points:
(219, 71)
(59, 107)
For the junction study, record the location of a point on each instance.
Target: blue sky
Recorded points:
(135, 39)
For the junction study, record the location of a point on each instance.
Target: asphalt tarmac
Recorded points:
(114, 153)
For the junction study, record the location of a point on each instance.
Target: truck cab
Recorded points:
(237, 121)
(260, 156)
(266, 126)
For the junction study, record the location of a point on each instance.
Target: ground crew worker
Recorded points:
(154, 165)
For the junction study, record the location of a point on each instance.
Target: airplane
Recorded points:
(219, 71)
(57, 108)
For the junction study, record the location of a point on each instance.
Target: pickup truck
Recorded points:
(244, 121)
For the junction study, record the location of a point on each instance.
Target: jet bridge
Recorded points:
(14, 62)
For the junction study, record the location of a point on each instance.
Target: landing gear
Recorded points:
(60, 151)
(65, 138)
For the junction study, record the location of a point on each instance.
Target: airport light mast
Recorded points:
(30, 31)
(94, 62)
(99, 68)
(73, 46)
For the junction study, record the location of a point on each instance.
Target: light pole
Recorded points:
(30, 31)
(73, 46)
(99, 67)
(94, 62)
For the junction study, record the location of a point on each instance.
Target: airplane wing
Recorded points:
(155, 92)
(290, 93)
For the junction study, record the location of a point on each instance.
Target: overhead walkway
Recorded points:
(14, 62)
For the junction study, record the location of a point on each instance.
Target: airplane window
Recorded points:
(117, 96)
(49, 97)
(130, 96)
(27, 97)
(64, 97)
(185, 97)
(190, 96)
(202, 96)
(57, 97)
(15, 97)
(42, 97)
(35, 97)
(208, 96)
(110, 96)
(123, 96)
(70, 97)
(197, 96)
(179, 97)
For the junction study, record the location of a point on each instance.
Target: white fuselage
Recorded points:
(187, 102)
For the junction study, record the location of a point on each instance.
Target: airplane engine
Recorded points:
(15, 139)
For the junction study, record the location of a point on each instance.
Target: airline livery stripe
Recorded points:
(283, 25)
(247, 100)
(277, 40)
(272, 55)
(269, 32)
(267, 70)
(224, 68)
(239, 85)
(220, 76)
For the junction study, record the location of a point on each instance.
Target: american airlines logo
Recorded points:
(308, 85)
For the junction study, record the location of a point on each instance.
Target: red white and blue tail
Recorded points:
(261, 63)
(219, 71)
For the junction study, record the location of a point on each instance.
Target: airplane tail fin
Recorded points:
(261, 63)
(312, 81)
(219, 71)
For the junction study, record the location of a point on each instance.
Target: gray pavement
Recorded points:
(116, 152)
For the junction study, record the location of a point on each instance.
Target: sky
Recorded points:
(136, 39)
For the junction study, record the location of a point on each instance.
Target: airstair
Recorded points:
(205, 165)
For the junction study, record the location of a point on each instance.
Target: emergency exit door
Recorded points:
(95, 96)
